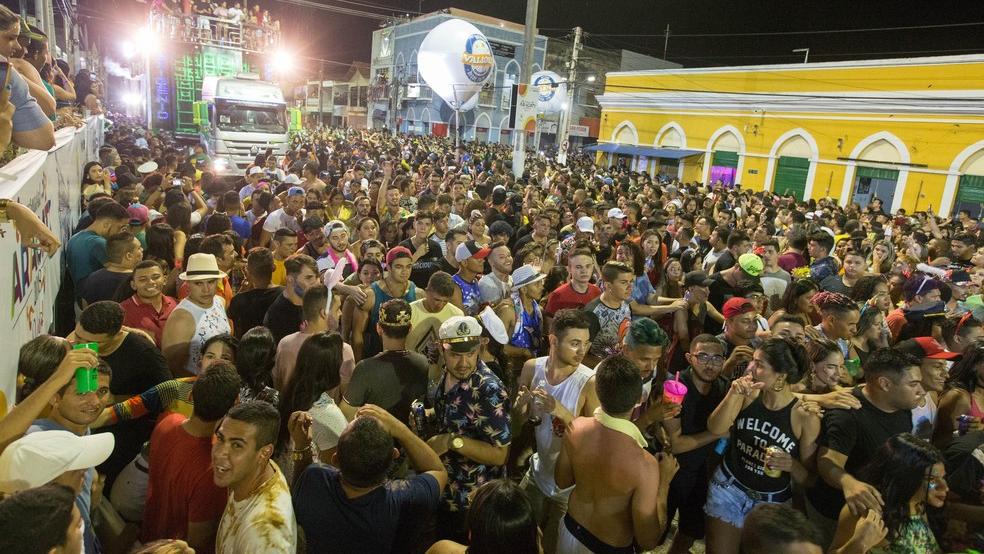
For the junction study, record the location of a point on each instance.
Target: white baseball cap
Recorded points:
(255, 169)
(292, 179)
(585, 224)
(39, 458)
(494, 325)
(616, 213)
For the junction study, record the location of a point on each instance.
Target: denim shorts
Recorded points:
(725, 501)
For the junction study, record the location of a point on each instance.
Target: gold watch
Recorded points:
(4, 217)
(457, 443)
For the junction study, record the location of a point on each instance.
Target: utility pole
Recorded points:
(529, 46)
(666, 41)
(321, 94)
(564, 132)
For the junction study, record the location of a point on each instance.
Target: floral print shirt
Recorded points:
(476, 408)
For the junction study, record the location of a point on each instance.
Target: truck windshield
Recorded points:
(251, 118)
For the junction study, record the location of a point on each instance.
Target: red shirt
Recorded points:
(895, 321)
(138, 315)
(791, 260)
(566, 297)
(180, 487)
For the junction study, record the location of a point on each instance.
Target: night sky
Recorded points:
(345, 38)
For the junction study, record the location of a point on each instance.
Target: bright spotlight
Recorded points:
(132, 99)
(283, 61)
(591, 78)
(147, 42)
(127, 49)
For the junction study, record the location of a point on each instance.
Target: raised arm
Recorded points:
(743, 390)
(360, 318)
(175, 341)
(16, 423)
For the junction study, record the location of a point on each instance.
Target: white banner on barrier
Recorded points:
(49, 183)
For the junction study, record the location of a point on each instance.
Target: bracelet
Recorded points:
(296, 453)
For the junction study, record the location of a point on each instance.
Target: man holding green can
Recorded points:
(73, 409)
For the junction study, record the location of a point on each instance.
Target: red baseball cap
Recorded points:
(395, 251)
(926, 347)
(736, 306)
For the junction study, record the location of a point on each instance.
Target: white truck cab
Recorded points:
(239, 117)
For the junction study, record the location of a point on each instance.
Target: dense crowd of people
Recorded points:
(383, 342)
(228, 23)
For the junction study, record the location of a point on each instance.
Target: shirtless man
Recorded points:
(620, 490)
(556, 389)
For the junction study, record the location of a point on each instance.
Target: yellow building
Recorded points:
(909, 131)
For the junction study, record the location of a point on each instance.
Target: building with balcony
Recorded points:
(399, 99)
(343, 98)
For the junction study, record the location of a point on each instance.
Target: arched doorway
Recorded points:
(970, 185)
(483, 125)
(409, 126)
(723, 160)
(870, 179)
(425, 122)
(792, 164)
(624, 133)
(505, 133)
(670, 136)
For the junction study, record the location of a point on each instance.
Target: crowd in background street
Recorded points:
(382, 342)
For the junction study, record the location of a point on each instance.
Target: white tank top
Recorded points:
(547, 444)
(208, 323)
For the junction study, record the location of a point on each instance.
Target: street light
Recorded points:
(283, 61)
(591, 78)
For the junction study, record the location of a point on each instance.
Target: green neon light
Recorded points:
(189, 70)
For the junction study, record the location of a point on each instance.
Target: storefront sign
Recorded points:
(579, 130)
(504, 50)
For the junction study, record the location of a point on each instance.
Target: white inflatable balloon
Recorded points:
(469, 104)
(551, 91)
(455, 60)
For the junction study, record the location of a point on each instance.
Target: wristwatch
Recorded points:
(3, 210)
(457, 443)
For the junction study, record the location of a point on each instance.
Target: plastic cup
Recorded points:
(853, 366)
(674, 391)
(86, 378)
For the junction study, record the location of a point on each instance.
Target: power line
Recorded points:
(831, 54)
(339, 9)
(814, 32)
(393, 9)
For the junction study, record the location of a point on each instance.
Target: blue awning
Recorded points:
(648, 151)
(601, 147)
(672, 153)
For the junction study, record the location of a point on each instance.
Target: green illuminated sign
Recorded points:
(189, 70)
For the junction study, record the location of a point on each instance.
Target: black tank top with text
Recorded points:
(756, 429)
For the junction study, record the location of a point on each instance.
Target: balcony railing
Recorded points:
(212, 31)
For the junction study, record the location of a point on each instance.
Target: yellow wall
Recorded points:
(933, 142)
